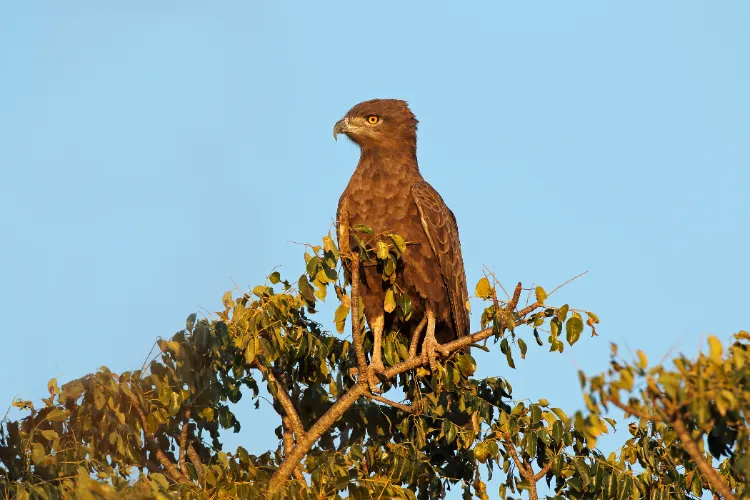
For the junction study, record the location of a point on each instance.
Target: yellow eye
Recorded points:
(372, 119)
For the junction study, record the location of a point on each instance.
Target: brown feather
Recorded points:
(388, 193)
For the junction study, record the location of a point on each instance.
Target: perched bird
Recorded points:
(388, 194)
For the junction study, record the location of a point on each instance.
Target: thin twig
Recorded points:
(630, 410)
(400, 406)
(571, 279)
(543, 472)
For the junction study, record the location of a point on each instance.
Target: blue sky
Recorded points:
(153, 155)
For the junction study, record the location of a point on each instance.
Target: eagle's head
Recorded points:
(379, 123)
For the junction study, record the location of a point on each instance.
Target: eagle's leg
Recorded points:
(415, 337)
(376, 360)
(430, 344)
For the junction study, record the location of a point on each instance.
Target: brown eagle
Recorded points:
(388, 194)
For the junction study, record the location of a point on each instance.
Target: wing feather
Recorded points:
(441, 229)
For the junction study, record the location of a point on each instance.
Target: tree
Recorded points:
(155, 432)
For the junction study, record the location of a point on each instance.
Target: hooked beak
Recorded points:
(341, 127)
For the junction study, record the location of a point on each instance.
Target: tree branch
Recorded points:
(196, 461)
(170, 468)
(346, 400)
(523, 468)
(543, 472)
(400, 406)
(324, 423)
(183, 441)
(288, 445)
(713, 477)
(357, 336)
(282, 396)
(691, 447)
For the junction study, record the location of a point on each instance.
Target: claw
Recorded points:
(373, 380)
(376, 361)
(430, 346)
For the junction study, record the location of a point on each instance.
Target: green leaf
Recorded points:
(560, 414)
(50, 435)
(159, 479)
(361, 228)
(538, 339)
(573, 329)
(58, 415)
(399, 242)
(404, 307)
(306, 290)
(483, 289)
(481, 452)
(390, 303)
(274, 278)
(207, 413)
(583, 471)
(312, 266)
(37, 453)
(466, 365)
(505, 348)
(251, 350)
(72, 390)
(541, 295)
(562, 312)
(190, 322)
(522, 346)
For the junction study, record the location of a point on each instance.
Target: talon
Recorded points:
(377, 365)
(373, 380)
(430, 346)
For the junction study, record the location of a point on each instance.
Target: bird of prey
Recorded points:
(388, 194)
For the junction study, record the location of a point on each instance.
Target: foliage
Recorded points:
(156, 432)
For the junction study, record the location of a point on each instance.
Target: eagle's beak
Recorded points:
(341, 127)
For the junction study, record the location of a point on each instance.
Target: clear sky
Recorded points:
(153, 154)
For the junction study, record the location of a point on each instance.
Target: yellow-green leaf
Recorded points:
(50, 435)
(642, 360)
(342, 311)
(541, 295)
(251, 350)
(58, 415)
(716, 348)
(390, 302)
(208, 414)
(483, 289)
(399, 242)
(382, 250)
(573, 329)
